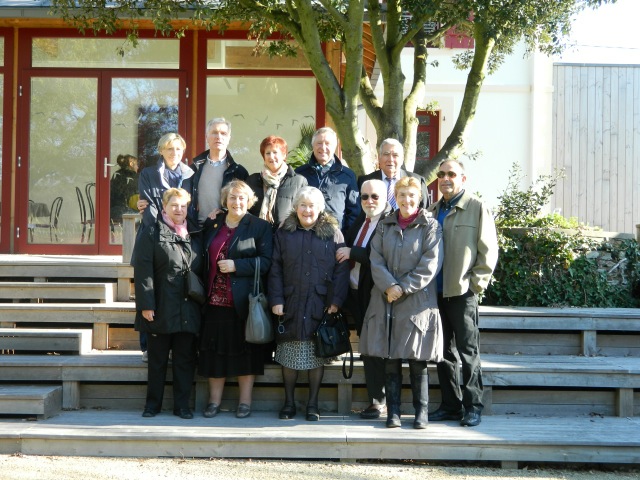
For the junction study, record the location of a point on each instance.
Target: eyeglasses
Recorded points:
(442, 174)
(365, 196)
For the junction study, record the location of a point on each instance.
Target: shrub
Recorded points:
(540, 265)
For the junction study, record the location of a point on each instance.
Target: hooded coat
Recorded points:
(410, 327)
(305, 276)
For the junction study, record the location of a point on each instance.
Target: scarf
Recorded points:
(271, 183)
(173, 177)
(180, 230)
(405, 222)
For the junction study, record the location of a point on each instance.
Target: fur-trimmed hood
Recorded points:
(325, 227)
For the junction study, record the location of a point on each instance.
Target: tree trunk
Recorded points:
(454, 145)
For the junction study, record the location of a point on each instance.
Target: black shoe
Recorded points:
(471, 419)
(441, 414)
(243, 410)
(183, 413)
(313, 414)
(148, 413)
(211, 411)
(373, 411)
(287, 412)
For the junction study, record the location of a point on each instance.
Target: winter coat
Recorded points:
(339, 187)
(159, 275)
(233, 170)
(151, 186)
(471, 243)
(289, 186)
(305, 276)
(410, 327)
(252, 238)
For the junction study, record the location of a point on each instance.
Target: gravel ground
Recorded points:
(19, 467)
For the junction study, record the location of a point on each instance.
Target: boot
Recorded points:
(393, 388)
(420, 390)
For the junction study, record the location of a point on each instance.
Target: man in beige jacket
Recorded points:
(470, 255)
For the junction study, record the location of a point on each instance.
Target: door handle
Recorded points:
(106, 166)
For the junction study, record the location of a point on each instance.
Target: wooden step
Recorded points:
(524, 384)
(46, 340)
(40, 400)
(97, 315)
(506, 439)
(102, 292)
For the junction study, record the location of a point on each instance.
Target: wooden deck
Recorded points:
(509, 439)
(561, 385)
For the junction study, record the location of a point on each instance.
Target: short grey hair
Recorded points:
(215, 121)
(309, 193)
(391, 141)
(324, 131)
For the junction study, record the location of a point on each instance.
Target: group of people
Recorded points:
(409, 273)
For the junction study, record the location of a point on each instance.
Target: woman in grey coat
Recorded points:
(402, 320)
(304, 280)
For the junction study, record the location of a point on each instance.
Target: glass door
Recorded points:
(75, 190)
(141, 111)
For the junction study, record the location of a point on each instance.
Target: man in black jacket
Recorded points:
(213, 168)
(373, 198)
(390, 158)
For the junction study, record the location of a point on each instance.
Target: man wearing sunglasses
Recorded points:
(470, 255)
(373, 199)
(390, 158)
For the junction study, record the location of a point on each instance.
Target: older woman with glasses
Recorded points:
(402, 320)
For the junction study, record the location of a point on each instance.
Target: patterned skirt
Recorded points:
(298, 355)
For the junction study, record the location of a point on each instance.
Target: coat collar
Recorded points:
(325, 227)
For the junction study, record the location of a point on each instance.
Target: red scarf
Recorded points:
(405, 222)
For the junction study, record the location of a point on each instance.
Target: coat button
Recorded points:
(308, 273)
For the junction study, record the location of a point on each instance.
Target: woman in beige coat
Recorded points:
(402, 321)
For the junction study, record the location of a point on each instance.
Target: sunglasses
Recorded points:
(442, 174)
(365, 196)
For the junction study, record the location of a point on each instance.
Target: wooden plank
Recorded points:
(41, 400)
(46, 340)
(629, 221)
(625, 402)
(597, 135)
(589, 343)
(606, 149)
(58, 290)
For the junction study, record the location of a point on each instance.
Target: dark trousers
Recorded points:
(461, 341)
(373, 366)
(183, 357)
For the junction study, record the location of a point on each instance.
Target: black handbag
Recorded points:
(331, 339)
(259, 328)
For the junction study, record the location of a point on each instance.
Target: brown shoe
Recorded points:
(373, 411)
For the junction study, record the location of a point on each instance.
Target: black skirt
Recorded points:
(222, 350)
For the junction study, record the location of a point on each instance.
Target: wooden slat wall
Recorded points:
(596, 140)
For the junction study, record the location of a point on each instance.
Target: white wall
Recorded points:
(512, 122)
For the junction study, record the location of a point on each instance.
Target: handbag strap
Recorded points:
(348, 375)
(256, 278)
(184, 259)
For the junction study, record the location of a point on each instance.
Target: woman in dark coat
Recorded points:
(170, 172)
(276, 185)
(233, 241)
(305, 279)
(164, 252)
